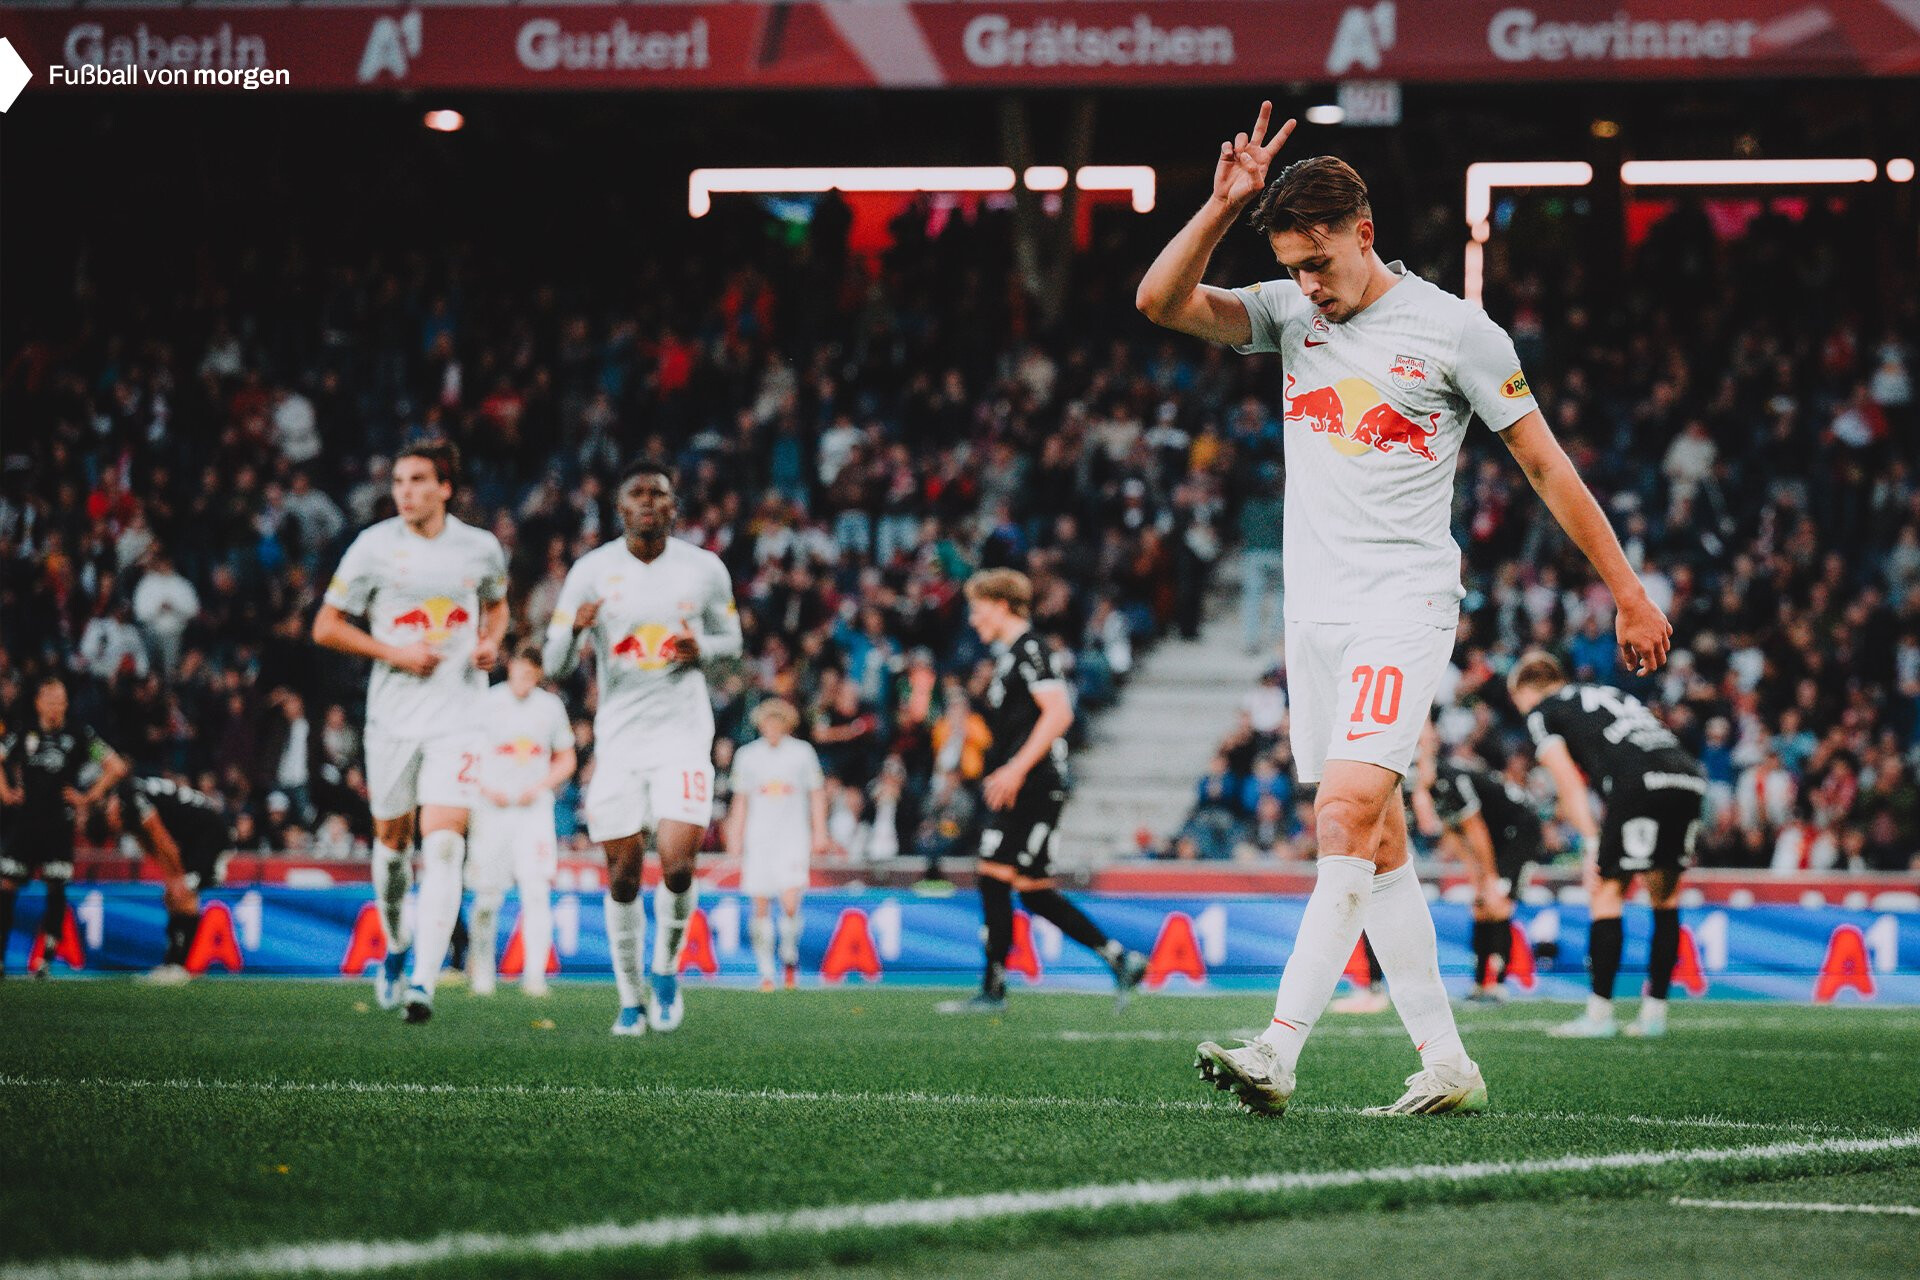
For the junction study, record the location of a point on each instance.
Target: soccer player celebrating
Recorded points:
(40, 773)
(1026, 787)
(1590, 734)
(433, 592)
(185, 831)
(638, 599)
(526, 750)
(1496, 822)
(1384, 371)
(777, 823)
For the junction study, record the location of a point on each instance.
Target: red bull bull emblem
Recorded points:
(436, 619)
(1409, 373)
(648, 646)
(777, 787)
(1377, 427)
(521, 749)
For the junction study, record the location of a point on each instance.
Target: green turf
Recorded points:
(514, 1116)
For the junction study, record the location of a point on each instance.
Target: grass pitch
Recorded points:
(281, 1128)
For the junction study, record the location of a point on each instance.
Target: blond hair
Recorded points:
(1009, 586)
(776, 709)
(1536, 669)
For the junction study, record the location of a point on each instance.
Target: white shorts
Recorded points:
(767, 871)
(405, 773)
(509, 846)
(633, 792)
(1362, 691)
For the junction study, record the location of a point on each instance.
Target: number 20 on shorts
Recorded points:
(1382, 687)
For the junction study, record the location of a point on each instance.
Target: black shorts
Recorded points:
(199, 857)
(38, 846)
(1513, 863)
(1652, 822)
(1022, 838)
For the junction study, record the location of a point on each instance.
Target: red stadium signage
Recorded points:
(917, 45)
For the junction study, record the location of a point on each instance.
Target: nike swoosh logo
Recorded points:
(1311, 343)
(1355, 737)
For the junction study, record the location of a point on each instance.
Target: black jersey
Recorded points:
(45, 763)
(1462, 790)
(1011, 711)
(190, 816)
(1612, 737)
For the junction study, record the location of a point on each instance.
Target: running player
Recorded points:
(41, 767)
(433, 592)
(1590, 735)
(1384, 371)
(637, 600)
(185, 831)
(1025, 788)
(526, 751)
(1495, 821)
(777, 823)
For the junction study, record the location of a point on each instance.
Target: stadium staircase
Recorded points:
(1144, 756)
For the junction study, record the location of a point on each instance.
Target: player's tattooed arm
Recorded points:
(493, 632)
(572, 617)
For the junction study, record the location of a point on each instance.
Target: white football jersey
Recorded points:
(777, 782)
(645, 697)
(518, 738)
(409, 589)
(1376, 410)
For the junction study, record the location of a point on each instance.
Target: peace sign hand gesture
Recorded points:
(1242, 170)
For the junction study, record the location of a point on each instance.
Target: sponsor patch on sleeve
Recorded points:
(1515, 388)
(1254, 288)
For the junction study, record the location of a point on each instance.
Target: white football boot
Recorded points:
(1252, 1071)
(1437, 1091)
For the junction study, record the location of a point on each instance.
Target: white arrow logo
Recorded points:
(13, 74)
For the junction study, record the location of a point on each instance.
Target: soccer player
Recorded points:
(526, 751)
(638, 600)
(40, 772)
(1025, 789)
(433, 591)
(1496, 822)
(1384, 371)
(777, 823)
(1592, 735)
(185, 831)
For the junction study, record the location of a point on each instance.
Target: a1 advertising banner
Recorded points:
(1222, 943)
(1035, 43)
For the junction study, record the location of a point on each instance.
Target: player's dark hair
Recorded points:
(1009, 586)
(646, 467)
(1536, 669)
(443, 455)
(529, 651)
(1321, 191)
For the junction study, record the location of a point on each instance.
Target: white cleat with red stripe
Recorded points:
(1252, 1071)
(1438, 1091)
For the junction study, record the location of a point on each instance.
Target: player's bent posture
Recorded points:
(1593, 735)
(777, 824)
(433, 592)
(40, 775)
(1495, 821)
(185, 831)
(526, 750)
(1026, 787)
(637, 599)
(1384, 371)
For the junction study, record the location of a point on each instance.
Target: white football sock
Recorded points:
(1401, 929)
(626, 925)
(536, 931)
(392, 877)
(442, 854)
(671, 912)
(760, 929)
(790, 938)
(1329, 929)
(482, 933)
(1599, 1009)
(1652, 1010)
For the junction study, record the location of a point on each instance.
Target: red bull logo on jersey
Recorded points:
(777, 788)
(1409, 373)
(435, 619)
(1358, 420)
(520, 749)
(648, 646)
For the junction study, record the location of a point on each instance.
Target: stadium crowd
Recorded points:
(1751, 429)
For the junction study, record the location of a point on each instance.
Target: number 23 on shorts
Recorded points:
(1377, 700)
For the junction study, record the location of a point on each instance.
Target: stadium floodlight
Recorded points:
(1486, 175)
(1900, 170)
(444, 121)
(1745, 173)
(1138, 180)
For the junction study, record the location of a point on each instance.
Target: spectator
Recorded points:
(165, 604)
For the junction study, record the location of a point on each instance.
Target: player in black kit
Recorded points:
(1653, 792)
(40, 769)
(185, 831)
(1026, 787)
(1501, 831)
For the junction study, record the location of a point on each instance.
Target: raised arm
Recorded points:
(1171, 294)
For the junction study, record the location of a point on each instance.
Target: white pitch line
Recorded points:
(349, 1257)
(1805, 1206)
